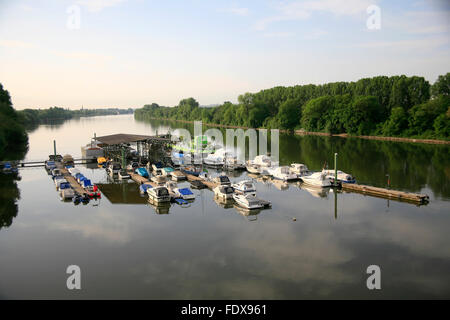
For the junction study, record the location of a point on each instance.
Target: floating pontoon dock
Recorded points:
(73, 182)
(387, 193)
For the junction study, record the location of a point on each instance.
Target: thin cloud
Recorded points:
(278, 34)
(429, 43)
(239, 11)
(301, 10)
(98, 5)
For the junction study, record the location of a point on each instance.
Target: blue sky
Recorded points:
(126, 53)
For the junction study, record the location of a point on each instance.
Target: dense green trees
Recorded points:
(13, 138)
(30, 117)
(390, 106)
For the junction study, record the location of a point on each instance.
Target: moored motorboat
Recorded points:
(171, 186)
(224, 192)
(184, 193)
(56, 172)
(282, 173)
(142, 172)
(114, 168)
(159, 179)
(167, 171)
(123, 174)
(178, 175)
(157, 167)
(50, 165)
(248, 201)
(144, 187)
(222, 180)
(317, 179)
(253, 168)
(245, 187)
(91, 190)
(67, 160)
(191, 170)
(58, 179)
(159, 194)
(65, 191)
(341, 176)
(299, 169)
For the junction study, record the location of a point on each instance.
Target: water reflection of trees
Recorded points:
(9, 194)
(411, 166)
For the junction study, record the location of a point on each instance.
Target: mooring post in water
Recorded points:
(335, 169)
(54, 148)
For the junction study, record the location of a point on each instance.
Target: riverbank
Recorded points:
(302, 132)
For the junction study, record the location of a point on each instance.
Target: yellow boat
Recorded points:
(101, 160)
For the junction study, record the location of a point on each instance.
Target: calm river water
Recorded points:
(127, 249)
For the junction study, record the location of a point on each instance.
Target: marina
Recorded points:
(125, 218)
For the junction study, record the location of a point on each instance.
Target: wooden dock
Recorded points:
(211, 185)
(386, 193)
(73, 182)
(140, 179)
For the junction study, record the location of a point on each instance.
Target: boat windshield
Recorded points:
(162, 192)
(224, 179)
(228, 190)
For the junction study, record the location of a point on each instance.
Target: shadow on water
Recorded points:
(9, 195)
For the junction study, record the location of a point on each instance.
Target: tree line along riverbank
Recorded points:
(14, 124)
(397, 107)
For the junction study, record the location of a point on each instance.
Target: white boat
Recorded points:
(56, 172)
(214, 159)
(167, 171)
(178, 175)
(123, 174)
(184, 193)
(282, 173)
(299, 169)
(157, 168)
(159, 194)
(248, 201)
(222, 180)
(317, 179)
(341, 176)
(65, 191)
(253, 168)
(50, 164)
(224, 192)
(227, 158)
(133, 166)
(171, 186)
(204, 176)
(58, 181)
(114, 168)
(264, 161)
(245, 187)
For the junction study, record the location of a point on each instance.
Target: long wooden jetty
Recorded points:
(73, 182)
(386, 193)
(41, 163)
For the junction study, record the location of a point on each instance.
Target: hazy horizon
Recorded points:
(127, 53)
